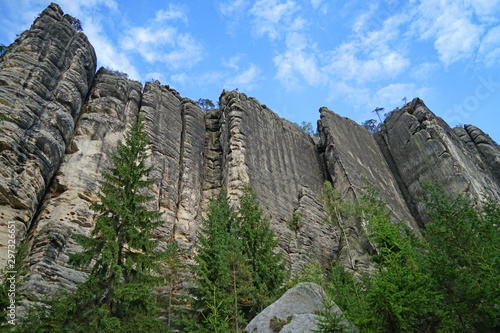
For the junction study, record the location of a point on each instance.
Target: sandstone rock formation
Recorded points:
(423, 147)
(296, 311)
(112, 105)
(43, 83)
(63, 124)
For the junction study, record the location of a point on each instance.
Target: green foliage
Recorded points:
(295, 222)
(308, 128)
(258, 243)
(75, 23)
(329, 320)
(447, 281)
(8, 278)
(237, 273)
(371, 125)
(276, 324)
(222, 272)
(117, 294)
(172, 266)
(205, 104)
(464, 260)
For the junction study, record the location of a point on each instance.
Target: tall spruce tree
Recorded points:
(258, 244)
(223, 278)
(117, 294)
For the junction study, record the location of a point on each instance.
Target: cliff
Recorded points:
(64, 120)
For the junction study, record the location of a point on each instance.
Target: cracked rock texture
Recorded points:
(423, 147)
(112, 106)
(43, 83)
(64, 123)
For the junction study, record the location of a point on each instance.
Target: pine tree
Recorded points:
(258, 242)
(117, 292)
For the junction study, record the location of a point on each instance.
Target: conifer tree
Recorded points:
(117, 293)
(223, 277)
(258, 242)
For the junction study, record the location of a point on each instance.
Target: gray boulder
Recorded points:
(296, 311)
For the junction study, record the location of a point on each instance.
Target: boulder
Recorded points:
(296, 311)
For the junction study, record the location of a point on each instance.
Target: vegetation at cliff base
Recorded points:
(237, 273)
(446, 281)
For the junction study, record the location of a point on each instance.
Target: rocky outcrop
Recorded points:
(112, 106)
(354, 160)
(176, 127)
(59, 136)
(44, 80)
(424, 148)
(296, 311)
(484, 149)
(283, 166)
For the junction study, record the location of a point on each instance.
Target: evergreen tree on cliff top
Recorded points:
(117, 294)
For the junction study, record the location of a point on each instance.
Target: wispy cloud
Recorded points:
(247, 79)
(271, 17)
(298, 62)
(489, 50)
(108, 54)
(164, 44)
(174, 12)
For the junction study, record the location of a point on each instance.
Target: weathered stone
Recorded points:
(354, 158)
(296, 311)
(176, 127)
(43, 83)
(111, 108)
(481, 144)
(424, 148)
(278, 160)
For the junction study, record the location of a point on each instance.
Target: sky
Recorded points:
(296, 56)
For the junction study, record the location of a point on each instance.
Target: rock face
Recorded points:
(423, 147)
(63, 124)
(43, 83)
(296, 311)
(112, 105)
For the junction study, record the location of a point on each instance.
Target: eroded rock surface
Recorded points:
(43, 83)
(111, 108)
(425, 148)
(176, 127)
(282, 164)
(354, 160)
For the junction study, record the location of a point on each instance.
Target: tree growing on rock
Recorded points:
(205, 104)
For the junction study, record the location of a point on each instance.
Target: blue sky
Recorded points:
(298, 55)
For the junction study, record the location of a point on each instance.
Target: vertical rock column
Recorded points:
(112, 106)
(281, 163)
(353, 156)
(44, 80)
(176, 127)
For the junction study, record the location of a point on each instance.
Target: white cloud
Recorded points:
(108, 55)
(78, 8)
(174, 12)
(299, 60)
(424, 71)
(164, 45)
(246, 80)
(231, 8)
(489, 50)
(272, 16)
(232, 62)
(450, 24)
